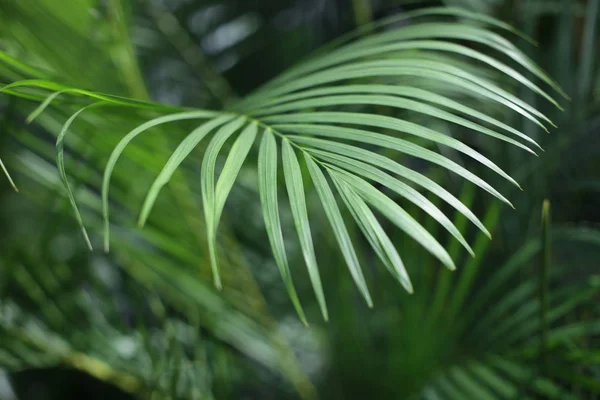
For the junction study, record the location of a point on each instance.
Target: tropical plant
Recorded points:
(280, 112)
(359, 117)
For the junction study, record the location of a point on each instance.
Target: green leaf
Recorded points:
(522, 325)
(376, 236)
(239, 151)
(40, 109)
(403, 91)
(452, 31)
(60, 162)
(387, 142)
(18, 65)
(339, 228)
(233, 164)
(441, 53)
(399, 187)
(392, 102)
(207, 182)
(349, 54)
(380, 161)
(522, 374)
(295, 189)
(496, 381)
(449, 389)
(509, 269)
(332, 47)
(108, 98)
(470, 384)
(180, 154)
(118, 150)
(399, 217)
(267, 178)
(399, 125)
(430, 69)
(12, 184)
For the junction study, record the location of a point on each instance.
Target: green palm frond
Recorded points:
(513, 351)
(324, 111)
(158, 261)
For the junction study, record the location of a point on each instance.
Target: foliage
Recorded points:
(359, 117)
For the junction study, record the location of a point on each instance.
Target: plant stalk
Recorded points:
(543, 289)
(363, 14)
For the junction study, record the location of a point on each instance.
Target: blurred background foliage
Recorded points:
(145, 321)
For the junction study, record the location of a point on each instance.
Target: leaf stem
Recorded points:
(543, 289)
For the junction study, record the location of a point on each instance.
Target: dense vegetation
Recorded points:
(299, 199)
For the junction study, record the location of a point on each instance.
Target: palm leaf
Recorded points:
(267, 175)
(352, 78)
(182, 151)
(208, 189)
(339, 227)
(295, 189)
(371, 228)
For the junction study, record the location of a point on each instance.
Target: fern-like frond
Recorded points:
(327, 110)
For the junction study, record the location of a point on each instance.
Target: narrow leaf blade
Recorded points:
(181, 152)
(295, 189)
(399, 217)
(12, 184)
(267, 178)
(60, 162)
(339, 227)
(373, 231)
(118, 150)
(207, 183)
